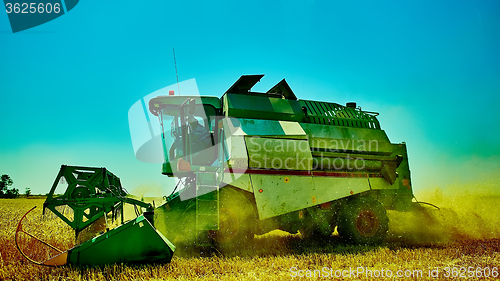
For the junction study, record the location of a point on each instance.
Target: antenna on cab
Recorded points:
(176, 75)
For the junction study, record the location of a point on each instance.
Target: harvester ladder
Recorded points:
(207, 205)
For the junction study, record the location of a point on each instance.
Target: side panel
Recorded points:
(282, 154)
(331, 188)
(238, 180)
(337, 138)
(237, 153)
(280, 194)
(262, 107)
(402, 201)
(381, 183)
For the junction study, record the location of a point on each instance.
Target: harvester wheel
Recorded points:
(363, 221)
(237, 221)
(314, 233)
(186, 237)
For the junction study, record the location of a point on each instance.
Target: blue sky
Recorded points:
(431, 68)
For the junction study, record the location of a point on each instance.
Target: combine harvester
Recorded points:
(247, 163)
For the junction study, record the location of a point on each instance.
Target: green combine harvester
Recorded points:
(254, 162)
(249, 163)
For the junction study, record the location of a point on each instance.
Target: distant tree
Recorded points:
(12, 193)
(5, 182)
(27, 192)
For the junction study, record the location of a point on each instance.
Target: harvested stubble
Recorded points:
(274, 256)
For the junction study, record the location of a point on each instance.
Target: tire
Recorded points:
(319, 232)
(185, 233)
(363, 221)
(187, 237)
(237, 225)
(237, 221)
(313, 233)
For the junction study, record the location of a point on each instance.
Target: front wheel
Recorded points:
(237, 221)
(363, 221)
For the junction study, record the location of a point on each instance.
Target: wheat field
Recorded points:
(459, 242)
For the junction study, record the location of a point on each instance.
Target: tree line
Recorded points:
(6, 191)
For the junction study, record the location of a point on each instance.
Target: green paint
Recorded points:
(136, 241)
(295, 155)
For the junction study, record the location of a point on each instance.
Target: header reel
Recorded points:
(91, 194)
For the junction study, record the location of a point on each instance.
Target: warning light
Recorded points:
(171, 92)
(352, 192)
(260, 190)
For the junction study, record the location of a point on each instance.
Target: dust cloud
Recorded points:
(147, 190)
(466, 212)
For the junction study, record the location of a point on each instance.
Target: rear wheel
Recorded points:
(363, 221)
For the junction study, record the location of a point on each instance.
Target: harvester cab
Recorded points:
(190, 137)
(187, 134)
